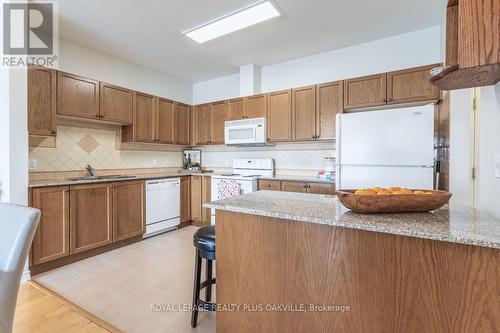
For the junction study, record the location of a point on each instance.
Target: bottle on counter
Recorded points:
(190, 164)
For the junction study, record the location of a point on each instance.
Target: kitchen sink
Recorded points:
(111, 177)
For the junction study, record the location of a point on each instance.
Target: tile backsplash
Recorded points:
(77, 147)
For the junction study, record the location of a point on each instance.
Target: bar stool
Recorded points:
(204, 241)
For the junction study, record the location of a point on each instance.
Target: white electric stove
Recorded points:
(246, 173)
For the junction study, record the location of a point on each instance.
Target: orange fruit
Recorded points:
(360, 192)
(394, 189)
(419, 192)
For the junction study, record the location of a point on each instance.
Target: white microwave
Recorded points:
(245, 132)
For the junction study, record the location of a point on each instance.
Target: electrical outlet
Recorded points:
(33, 164)
(497, 165)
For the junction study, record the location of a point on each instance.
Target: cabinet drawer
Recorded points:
(321, 188)
(270, 185)
(289, 186)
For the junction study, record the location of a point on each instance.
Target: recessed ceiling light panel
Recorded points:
(235, 21)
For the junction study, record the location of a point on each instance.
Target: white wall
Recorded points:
(489, 145)
(412, 49)
(76, 59)
(217, 89)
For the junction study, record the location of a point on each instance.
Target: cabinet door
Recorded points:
(329, 102)
(128, 210)
(203, 116)
(182, 130)
(236, 109)
(205, 197)
(144, 111)
(116, 103)
(165, 120)
(196, 197)
(304, 114)
(51, 239)
(365, 91)
(220, 114)
(321, 188)
(77, 96)
(270, 185)
(185, 199)
(91, 220)
(279, 116)
(42, 101)
(411, 85)
(288, 186)
(256, 106)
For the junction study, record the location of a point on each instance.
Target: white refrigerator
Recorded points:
(386, 148)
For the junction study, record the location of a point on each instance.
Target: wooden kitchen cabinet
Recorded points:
(116, 103)
(51, 239)
(91, 216)
(77, 96)
(203, 119)
(220, 114)
(304, 114)
(206, 195)
(185, 199)
(196, 198)
(42, 102)
(165, 121)
(366, 91)
(329, 102)
(128, 210)
(411, 85)
(142, 128)
(255, 106)
(269, 185)
(279, 118)
(321, 188)
(236, 108)
(182, 130)
(291, 186)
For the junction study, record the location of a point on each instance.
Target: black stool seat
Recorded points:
(204, 239)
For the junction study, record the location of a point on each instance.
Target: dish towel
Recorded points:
(228, 188)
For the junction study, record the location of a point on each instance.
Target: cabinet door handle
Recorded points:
(97, 115)
(384, 100)
(389, 100)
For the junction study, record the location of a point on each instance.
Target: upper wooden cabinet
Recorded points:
(91, 220)
(220, 114)
(329, 102)
(279, 116)
(77, 96)
(182, 124)
(255, 106)
(411, 85)
(472, 47)
(203, 123)
(128, 209)
(236, 108)
(52, 235)
(304, 114)
(143, 125)
(366, 91)
(165, 121)
(42, 88)
(116, 103)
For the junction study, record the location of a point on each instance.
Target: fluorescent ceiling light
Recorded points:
(235, 21)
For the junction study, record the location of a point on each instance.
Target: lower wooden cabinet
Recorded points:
(185, 199)
(205, 197)
(91, 216)
(321, 188)
(196, 198)
(128, 210)
(295, 186)
(288, 186)
(51, 239)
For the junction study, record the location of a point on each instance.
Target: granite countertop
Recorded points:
(456, 224)
(66, 181)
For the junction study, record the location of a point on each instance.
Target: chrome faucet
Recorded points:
(90, 170)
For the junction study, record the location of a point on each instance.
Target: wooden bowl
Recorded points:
(393, 203)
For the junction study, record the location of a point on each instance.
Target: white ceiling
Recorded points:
(148, 32)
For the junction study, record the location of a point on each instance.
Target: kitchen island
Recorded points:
(293, 262)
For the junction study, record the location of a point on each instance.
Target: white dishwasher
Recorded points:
(162, 205)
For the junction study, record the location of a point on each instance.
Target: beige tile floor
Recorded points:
(121, 285)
